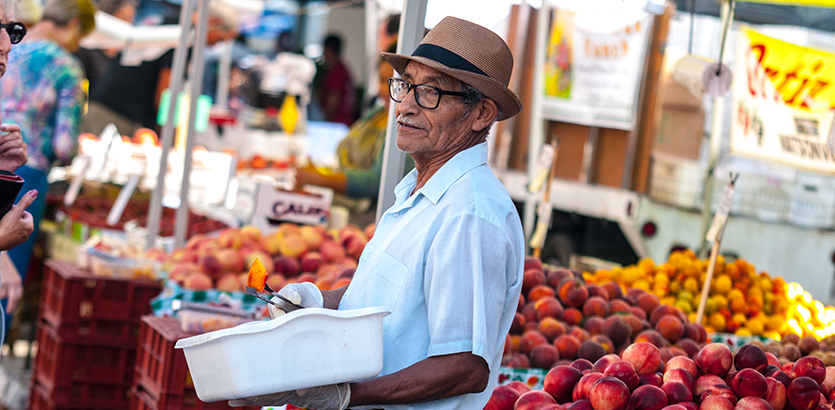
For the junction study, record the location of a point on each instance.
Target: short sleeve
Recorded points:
(466, 285)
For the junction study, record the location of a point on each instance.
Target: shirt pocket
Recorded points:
(389, 276)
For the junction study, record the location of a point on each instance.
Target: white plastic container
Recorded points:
(305, 348)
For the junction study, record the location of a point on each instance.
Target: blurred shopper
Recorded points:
(96, 61)
(388, 33)
(42, 93)
(29, 12)
(333, 89)
(128, 96)
(360, 153)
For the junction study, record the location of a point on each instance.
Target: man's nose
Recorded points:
(409, 104)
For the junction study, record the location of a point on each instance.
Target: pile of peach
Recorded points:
(560, 319)
(712, 379)
(292, 253)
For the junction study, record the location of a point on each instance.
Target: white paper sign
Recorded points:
(722, 212)
(273, 207)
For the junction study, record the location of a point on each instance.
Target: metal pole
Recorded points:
(411, 33)
(175, 84)
(372, 55)
(224, 70)
(196, 78)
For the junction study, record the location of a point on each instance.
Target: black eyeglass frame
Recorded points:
(441, 92)
(13, 36)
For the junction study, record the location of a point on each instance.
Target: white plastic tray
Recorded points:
(305, 348)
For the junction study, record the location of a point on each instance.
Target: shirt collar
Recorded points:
(450, 172)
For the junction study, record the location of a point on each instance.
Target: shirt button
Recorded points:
(396, 214)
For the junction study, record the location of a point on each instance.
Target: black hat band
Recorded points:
(446, 57)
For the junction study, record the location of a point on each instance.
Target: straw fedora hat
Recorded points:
(470, 53)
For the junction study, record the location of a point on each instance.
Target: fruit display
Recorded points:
(560, 319)
(709, 378)
(93, 210)
(741, 301)
(291, 254)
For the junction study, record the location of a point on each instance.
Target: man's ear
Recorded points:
(484, 113)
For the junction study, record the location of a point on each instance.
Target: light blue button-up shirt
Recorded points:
(447, 261)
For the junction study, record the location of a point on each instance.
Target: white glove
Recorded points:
(304, 294)
(330, 397)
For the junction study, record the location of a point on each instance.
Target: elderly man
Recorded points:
(447, 257)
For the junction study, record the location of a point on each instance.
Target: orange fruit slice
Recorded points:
(257, 277)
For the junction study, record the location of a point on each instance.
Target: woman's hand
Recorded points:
(12, 148)
(17, 224)
(10, 285)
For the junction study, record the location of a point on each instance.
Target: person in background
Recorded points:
(283, 44)
(128, 96)
(96, 61)
(333, 89)
(29, 12)
(388, 32)
(42, 92)
(360, 153)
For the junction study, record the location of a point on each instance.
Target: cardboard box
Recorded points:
(680, 133)
(678, 97)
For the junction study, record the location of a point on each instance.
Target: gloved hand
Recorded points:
(330, 397)
(304, 294)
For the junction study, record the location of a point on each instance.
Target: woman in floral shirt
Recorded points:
(42, 91)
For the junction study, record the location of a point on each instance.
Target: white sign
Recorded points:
(274, 206)
(594, 67)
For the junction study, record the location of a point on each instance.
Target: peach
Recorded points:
(517, 361)
(276, 281)
(517, 325)
(502, 398)
(625, 372)
(616, 329)
(250, 233)
(670, 327)
(614, 290)
(609, 393)
(681, 362)
(682, 376)
(572, 316)
(228, 282)
(752, 403)
(231, 239)
(720, 390)
(595, 290)
(532, 263)
(354, 245)
(663, 310)
(556, 276)
(749, 382)
(211, 266)
(638, 312)
(779, 375)
(539, 292)
(715, 358)
(194, 242)
(828, 381)
(772, 359)
(648, 302)
(331, 251)
(807, 345)
(596, 306)
(533, 400)
(287, 266)
(520, 387)
(751, 357)
(572, 293)
(231, 260)
(680, 406)
(716, 403)
(560, 382)
(306, 277)
(581, 334)
(600, 365)
(581, 405)
(551, 328)
(803, 393)
(581, 390)
(677, 392)
(809, 366)
(604, 341)
(644, 357)
(207, 247)
(544, 356)
(313, 236)
(311, 262)
(648, 397)
(650, 336)
(791, 352)
(261, 256)
(787, 366)
(582, 365)
(568, 346)
(270, 243)
(594, 325)
(634, 324)
(180, 270)
(548, 306)
(651, 379)
(619, 306)
(532, 278)
(689, 346)
(197, 281)
(590, 351)
(531, 339)
(775, 394)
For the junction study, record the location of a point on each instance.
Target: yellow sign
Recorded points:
(783, 96)
(812, 3)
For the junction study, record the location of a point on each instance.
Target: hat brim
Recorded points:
(507, 101)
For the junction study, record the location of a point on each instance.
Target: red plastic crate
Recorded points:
(39, 400)
(92, 396)
(60, 364)
(86, 308)
(143, 400)
(162, 368)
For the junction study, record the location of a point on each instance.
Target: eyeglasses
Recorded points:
(16, 31)
(427, 96)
